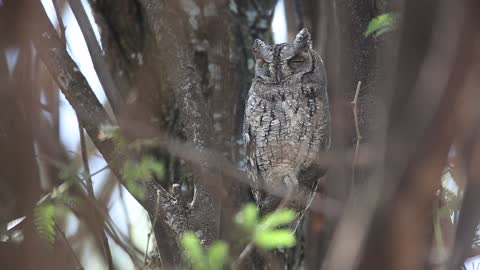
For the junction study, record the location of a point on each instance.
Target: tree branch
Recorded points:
(357, 131)
(90, 112)
(91, 194)
(105, 77)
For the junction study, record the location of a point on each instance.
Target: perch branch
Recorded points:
(357, 131)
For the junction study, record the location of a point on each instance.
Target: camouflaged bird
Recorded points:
(287, 120)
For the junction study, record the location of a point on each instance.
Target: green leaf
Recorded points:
(133, 172)
(217, 255)
(141, 144)
(278, 217)
(113, 132)
(248, 217)
(381, 24)
(271, 239)
(143, 169)
(193, 250)
(44, 220)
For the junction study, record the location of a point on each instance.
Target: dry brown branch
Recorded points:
(61, 25)
(469, 153)
(357, 131)
(91, 194)
(154, 222)
(90, 112)
(423, 123)
(104, 75)
(72, 83)
(72, 252)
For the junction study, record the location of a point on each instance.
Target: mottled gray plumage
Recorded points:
(287, 118)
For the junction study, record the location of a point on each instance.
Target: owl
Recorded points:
(287, 121)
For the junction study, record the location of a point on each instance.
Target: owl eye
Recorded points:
(262, 68)
(262, 64)
(296, 62)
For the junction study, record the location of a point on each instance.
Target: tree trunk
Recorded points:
(172, 58)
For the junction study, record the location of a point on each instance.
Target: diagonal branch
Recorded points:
(105, 77)
(91, 194)
(72, 83)
(89, 110)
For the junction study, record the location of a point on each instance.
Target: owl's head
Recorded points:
(281, 62)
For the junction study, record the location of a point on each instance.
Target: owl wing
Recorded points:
(249, 139)
(318, 107)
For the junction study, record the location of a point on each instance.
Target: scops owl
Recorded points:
(287, 119)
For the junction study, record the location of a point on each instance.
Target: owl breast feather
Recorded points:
(287, 125)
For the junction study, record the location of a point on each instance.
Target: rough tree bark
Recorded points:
(182, 71)
(184, 68)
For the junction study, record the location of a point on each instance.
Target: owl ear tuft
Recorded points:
(259, 48)
(303, 39)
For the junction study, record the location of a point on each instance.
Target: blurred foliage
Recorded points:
(263, 231)
(134, 172)
(113, 133)
(381, 24)
(213, 259)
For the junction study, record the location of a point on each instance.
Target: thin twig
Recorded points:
(309, 203)
(86, 166)
(66, 185)
(357, 131)
(243, 255)
(125, 210)
(248, 248)
(70, 249)
(155, 217)
(61, 25)
(91, 194)
(104, 75)
(132, 251)
(53, 100)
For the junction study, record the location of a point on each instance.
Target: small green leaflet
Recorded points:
(216, 256)
(381, 24)
(271, 239)
(248, 217)
(279, 217)
(194, 251)
(137, 171)
(264, 231)
(44, 220)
